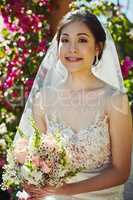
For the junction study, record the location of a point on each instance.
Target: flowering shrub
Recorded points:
(23, 42)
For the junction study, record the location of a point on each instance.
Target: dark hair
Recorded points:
(89, 19)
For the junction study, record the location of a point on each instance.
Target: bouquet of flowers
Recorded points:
(40, 160)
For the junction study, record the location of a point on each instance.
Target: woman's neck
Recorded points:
(82, 80)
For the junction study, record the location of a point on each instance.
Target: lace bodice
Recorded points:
(90, 147)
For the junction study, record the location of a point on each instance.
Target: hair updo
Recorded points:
(90, 20)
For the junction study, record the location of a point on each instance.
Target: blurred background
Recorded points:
(26, 29)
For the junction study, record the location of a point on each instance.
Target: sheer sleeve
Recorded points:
(35, 111)
(38, 111)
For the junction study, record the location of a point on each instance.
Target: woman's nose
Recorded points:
(73, 47)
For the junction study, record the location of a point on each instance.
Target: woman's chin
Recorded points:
(73, 68)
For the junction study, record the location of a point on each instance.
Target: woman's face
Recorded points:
(77, 47)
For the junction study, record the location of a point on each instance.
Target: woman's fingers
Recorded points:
(37, 197)
(21, 199)
(29, 188)
(50, 189)
(38, 193)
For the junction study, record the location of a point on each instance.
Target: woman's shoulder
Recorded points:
(111, 91)
(116, 99)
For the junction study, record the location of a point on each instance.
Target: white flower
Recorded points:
(10, 118)
(22, 195)
(39, 24)
(29, 12)
(3, 129)
(2, 144)
(25, 172)
(35, 1)
(33, 177)
(130, 34)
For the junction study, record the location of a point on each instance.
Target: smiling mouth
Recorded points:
(73, 59)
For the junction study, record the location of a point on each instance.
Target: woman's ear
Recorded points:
(99, 49)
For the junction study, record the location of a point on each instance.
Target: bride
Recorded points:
(79, 88)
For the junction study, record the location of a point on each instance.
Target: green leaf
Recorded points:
(5, 33)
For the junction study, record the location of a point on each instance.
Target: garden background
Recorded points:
(26, 29)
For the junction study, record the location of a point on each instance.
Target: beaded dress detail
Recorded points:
(89, 145)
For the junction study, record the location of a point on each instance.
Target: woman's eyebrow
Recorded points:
(84, 34)
(66, 34)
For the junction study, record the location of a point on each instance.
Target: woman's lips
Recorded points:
(73, 59)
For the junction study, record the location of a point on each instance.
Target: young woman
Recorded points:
(83, 95)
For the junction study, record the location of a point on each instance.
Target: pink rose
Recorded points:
(36, 161)
(20, 151)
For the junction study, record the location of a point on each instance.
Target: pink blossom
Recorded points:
(25, 54)
(26, 94)
(10, 65)
(40, 163)
(15, 7)
(4, 15)
(50, 142)
(126, 66)
(14, 72)
(15, 94)
(20, 151)
(28, 86)
(29, 83)
(21, 42)
(13, 27)
(35, 23)
(11, 76)
(1, 86)
(45, 3)
(2, 162)
(9, 82)
(36, 160)
(45, 168)
(25, 22)
(41, 46)
(14, 66)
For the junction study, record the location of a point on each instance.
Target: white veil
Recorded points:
(52, 73)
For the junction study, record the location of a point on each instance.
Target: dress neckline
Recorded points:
(100, 120)
(83, 90)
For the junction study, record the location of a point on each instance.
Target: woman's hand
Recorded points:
(40, 193)
(37, 193)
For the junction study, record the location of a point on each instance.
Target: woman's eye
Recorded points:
(64, 40)
(83, 40)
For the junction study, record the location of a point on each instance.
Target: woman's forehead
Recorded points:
(77, 28)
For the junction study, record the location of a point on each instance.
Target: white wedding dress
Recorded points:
(85, 132)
